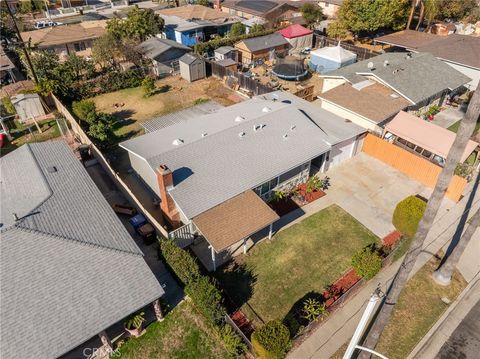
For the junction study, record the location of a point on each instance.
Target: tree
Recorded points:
(237, 29)
(106, 48)
(202, 2)
(45, 63)
(85, 110)
(25, 7)
(337, 30)
(443, 275)
(312, 13)
(256, 29)
(142, 23)
(148, 85)
(369, 16)
(78, 68)
(455, 10)
(466, 129)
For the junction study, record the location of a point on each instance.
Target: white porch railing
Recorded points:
(184, 235)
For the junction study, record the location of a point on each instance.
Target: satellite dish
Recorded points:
(370, 65)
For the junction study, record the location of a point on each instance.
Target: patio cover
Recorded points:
(433, 138)
(234, 220)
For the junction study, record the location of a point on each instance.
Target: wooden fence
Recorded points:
(235, 78)
(83, 138)
(361, 52)
(412, 165)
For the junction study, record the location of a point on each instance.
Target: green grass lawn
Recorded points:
(183, 333)
(418, 309)
(300, 260)
(456, 126)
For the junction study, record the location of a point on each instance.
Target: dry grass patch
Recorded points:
(418, 309)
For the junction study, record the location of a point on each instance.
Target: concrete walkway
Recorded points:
(448, 117)
(339, 328)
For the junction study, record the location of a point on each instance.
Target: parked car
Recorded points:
(44, 24)
(122, 209)
(143, 228)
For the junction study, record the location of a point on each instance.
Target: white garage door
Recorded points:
(342, 151)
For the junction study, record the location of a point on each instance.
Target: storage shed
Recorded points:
(28, 106)
(298, 36)
(331, 58)
(192, 68)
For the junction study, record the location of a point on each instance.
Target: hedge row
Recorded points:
(181, 262)
(209, 46)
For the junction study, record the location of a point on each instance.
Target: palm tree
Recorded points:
(413, 6)
(466, 129)
(443, 274)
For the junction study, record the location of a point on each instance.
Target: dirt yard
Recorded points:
(173, 94)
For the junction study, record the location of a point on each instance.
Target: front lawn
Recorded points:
(183, 333)
(300, 261)
(456, 126)
(419, 307)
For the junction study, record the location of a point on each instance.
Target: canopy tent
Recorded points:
(429, 136)
(331, 58)
(298, 36)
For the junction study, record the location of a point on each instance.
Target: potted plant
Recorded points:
(133, 324)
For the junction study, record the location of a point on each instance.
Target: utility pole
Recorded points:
(25, 52)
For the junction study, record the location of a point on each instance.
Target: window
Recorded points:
(418, 149)
(410, 145)
(401, 140)
(79, 46)
(439, 160)
(266, 187)
(426, 154)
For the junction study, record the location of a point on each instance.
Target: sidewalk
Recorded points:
(339, 328)
(432, 343)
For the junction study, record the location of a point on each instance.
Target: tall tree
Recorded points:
(237, 29)
(312, 13)
(413, 6)
(456, 9)
(466, 129)
(139, 25)
(422, 14)
(369, 16)
(443, 275)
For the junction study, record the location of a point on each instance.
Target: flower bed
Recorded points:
(300, 197)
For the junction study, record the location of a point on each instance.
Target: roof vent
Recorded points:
(241, 134)
(385, 63)
(285, 136)
(286, 101)
(177, 142)
(239, 119)
(348, 121)
(52, 169)
(409, 56)
(258, 127)
(204, 134)
(371, 66)
(266, 109)
(293, 127)
(15, 217)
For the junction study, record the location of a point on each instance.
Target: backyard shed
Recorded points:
(298, 36)
(331, 58)
(28, 106)
(192, 68)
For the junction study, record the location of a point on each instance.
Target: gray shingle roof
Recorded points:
(416, 78)
(180, 116)
(158, 49)
(69, 267)
(221, 165)
(223, 50)
(255, 44)
(189, 59)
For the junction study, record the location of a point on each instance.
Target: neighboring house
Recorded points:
(164, 54)
(253, 21)
(462, 52)
(298, 36)
(70, 269)
(261, 48)
(6, 68)
(271, 12)
(28, 107)
(213, 171)
(191, 24)
(192, 67)
(419, 78)
(67, 39)
(424, 138)
(330, 7)
(368, 104)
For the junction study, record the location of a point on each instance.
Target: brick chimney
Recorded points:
(167, 205)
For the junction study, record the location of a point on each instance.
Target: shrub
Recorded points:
(135, 321)
(233, 343)
(313, 309)
(200, 100)
(85, 110)
(8, 105)
(367, 262)
(207, 299)
(148, 85)
(271, 341)
(408, 214)
(180, 261)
